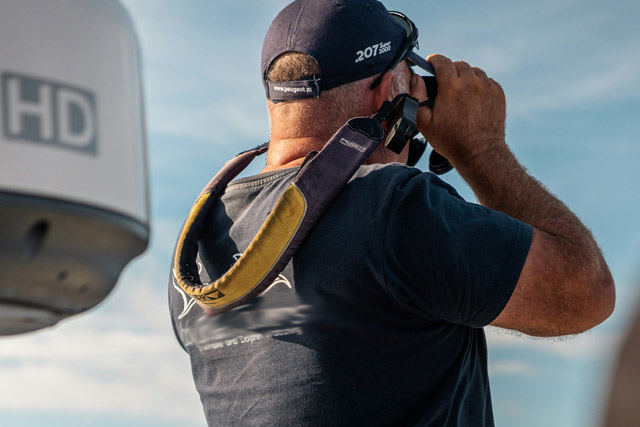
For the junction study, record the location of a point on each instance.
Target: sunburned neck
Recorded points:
(289, 152)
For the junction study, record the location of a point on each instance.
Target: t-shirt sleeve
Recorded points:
(447, 259)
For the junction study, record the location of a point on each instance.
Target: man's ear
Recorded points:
(383, 92)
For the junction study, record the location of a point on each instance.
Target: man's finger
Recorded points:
(479, 72)
(418, 88)
(419, 91)
(464, 70)
(444, 68)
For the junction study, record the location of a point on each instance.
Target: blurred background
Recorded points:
(571, 73)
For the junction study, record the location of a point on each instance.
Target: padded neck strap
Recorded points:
(314, 188)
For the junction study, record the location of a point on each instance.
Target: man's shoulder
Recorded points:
(264, 179)
(389, 169)
(393, 176)
(375, 181)
(377, 176)
(383, 175)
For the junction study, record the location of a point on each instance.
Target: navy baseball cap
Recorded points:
(349, 39)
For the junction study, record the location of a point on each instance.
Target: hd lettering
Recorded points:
(48, 112)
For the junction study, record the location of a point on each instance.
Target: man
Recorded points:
(378, 318)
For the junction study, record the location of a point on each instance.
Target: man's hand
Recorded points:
(468, 117)
(565, 286)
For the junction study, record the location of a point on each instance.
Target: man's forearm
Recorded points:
(577, 275)
(501, 183)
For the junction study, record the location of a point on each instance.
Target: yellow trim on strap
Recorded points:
(193, 214)
(263, 252)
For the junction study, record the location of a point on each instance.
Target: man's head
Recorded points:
(323, 63)
(349, 40)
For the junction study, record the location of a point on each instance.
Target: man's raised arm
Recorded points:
(565, 286)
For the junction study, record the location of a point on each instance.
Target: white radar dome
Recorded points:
(73, 177)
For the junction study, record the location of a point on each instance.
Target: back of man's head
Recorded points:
(320, 57)
(348, 39)
(311, 48)
(330, 110)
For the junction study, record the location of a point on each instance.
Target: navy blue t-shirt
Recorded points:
(377, 319)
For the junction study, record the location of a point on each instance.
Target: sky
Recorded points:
(571, 73)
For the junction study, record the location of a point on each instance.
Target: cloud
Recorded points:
(75, 368)
(513, 410)
(202, 73)
(585, 347)
(512, 367)
(548, 54)
(119, 359)
(219, 123)
(598, 86)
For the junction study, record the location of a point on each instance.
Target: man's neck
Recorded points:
(289, 152)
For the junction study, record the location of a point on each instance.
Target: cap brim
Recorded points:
(416, 59)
